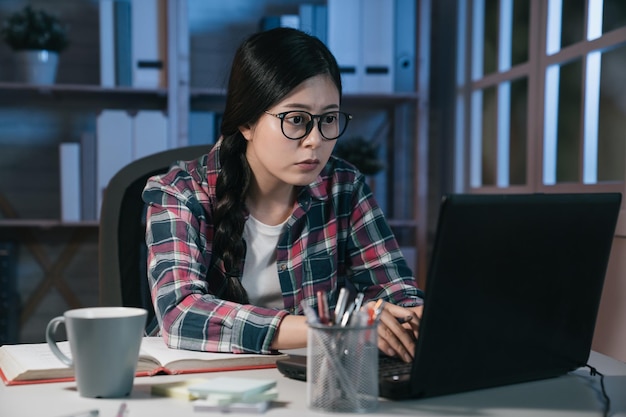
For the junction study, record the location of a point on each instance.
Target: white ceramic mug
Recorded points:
(104, 345)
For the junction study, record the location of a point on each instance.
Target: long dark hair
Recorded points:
(266, 67)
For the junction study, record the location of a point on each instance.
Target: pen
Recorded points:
(88, 413)
(322, 308)
(121, 411)
(347, 315)
(311, 316)
(378, 307)
(374, 312)
(340, 308)
(358, 301)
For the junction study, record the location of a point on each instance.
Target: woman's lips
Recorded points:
(308, 164)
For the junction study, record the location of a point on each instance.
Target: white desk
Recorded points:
(576, 394)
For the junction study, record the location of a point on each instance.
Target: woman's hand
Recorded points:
(398, 330)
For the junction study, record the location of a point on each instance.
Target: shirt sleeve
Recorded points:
(377, 266)
(190, 314)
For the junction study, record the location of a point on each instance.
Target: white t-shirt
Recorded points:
(260, 274)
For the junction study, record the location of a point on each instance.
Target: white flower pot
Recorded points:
(36, 67)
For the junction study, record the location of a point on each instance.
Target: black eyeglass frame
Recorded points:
(309, 125)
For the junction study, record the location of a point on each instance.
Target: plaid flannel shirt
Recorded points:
(337, 232)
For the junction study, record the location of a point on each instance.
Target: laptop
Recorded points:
(512, 293)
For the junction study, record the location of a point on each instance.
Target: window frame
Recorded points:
(540, 70)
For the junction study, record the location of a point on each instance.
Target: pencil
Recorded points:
(404, 319)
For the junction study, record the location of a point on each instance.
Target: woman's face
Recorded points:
(276, 160)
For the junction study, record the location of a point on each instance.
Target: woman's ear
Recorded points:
(247, 131)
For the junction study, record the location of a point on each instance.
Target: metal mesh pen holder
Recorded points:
(342, 368)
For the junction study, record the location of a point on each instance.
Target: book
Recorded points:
(35, 363)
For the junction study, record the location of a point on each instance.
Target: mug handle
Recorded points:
(51, 329)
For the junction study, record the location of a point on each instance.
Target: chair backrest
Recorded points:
(122, 270)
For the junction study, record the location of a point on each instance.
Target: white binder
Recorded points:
(69, 166)
(114, 147)
(344, 41)
(149, 133)
(361, 36)
(148, 28)
(107, 43)
(377, 46)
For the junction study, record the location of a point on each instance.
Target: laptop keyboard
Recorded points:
(389, 366)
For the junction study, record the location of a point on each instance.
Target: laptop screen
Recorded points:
(513, 289)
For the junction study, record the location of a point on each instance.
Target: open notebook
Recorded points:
(513, 292)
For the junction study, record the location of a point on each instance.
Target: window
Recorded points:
(541, 101)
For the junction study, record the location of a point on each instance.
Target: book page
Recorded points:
(180, 359)
(38, 355)
(156, 348)
(36, 359)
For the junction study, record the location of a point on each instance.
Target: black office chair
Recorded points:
(122, 270)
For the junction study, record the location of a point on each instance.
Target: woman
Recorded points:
(239, 238)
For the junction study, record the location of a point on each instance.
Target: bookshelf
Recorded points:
(47, 115)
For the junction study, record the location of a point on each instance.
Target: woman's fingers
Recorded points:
(398, 330)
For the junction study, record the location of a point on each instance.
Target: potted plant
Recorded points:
(361, 153)
(37, 38)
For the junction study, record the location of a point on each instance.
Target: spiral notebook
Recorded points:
(512, 295)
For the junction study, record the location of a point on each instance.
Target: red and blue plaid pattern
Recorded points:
(336, 234)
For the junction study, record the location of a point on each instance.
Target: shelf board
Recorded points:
(212, 97)
(80, 95)
(128, 98)
(379, 99)
(46, 223)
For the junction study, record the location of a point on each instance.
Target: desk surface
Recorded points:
(575, 394)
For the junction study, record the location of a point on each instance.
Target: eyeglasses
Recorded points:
(296, 124)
